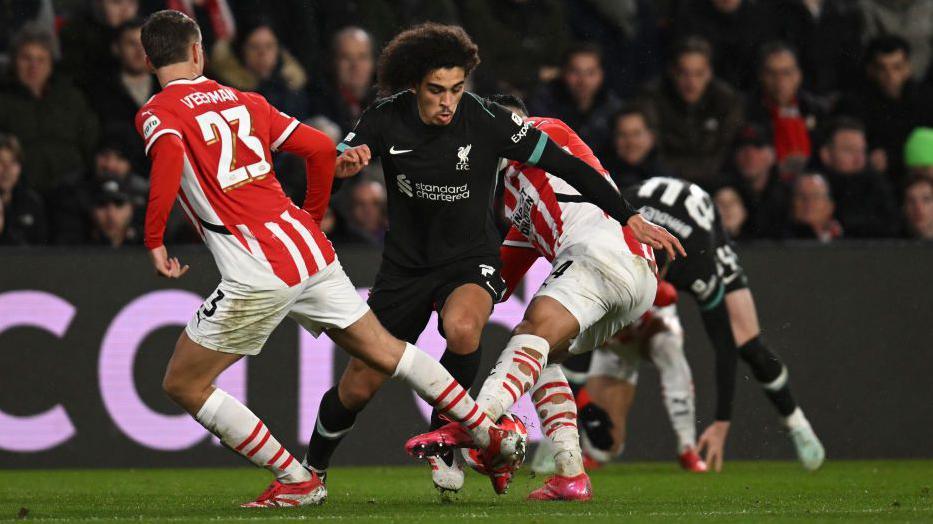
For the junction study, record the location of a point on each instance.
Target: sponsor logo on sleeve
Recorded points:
(150, 125)
(517, 119)
(350, 136)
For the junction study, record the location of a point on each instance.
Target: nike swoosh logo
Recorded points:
(393, 151)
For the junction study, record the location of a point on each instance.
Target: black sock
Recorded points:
(336, 421)
(771, 374)
(463, 368)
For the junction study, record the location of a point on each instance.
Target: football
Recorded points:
(508, 421)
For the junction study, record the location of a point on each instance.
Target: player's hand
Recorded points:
(714, 441)
(351, 161)
(165, 266)
(655, 236)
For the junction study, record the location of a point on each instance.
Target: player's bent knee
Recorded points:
(766, 366)
(463, 333)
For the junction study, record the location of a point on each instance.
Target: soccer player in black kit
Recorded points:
(440, 147)
(714, 277)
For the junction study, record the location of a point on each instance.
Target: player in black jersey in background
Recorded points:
(440, 147)
(713, 276)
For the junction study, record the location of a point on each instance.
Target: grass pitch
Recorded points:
(745, 492)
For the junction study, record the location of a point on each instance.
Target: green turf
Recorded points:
(841, 491)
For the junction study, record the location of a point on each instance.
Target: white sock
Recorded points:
(428, 378)
(796, 420)
(244, 433)
(518, 368)
(557, 411)
(666, 351)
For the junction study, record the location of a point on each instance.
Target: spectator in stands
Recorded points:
(812, 210)
(754, 174)
(112, 215)
(735, 28)
(891, 104)
(117, 97)
(627, 32)
(791, 113)
(22, 212)
(732, 211)
(579, 97)
(865, 201)
(521, 41)
(634, 156)
(51, 118)
(86, 39)
(918, 153)
(918, 208)
(366, 217)
(698, 114)
(73, 203)
(348, 89)
(827, 34)
(909, 19)
(255, 61)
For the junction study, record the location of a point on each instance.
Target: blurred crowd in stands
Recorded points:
(804, 119)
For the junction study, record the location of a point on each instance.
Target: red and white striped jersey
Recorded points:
(550, 216)
(228, 188)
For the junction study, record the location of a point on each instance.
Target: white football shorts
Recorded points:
(620, 359)
(238, 319)
(604, 294)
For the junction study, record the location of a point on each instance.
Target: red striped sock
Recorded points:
(518, 369)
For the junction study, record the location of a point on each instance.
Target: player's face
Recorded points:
(846, 153)
(781, 77)
(727, 6)
(33, 66)
(10, 170)
(918, 208)
(439, 94)
(583, 76)
(633, 139)
(353, 60)
(130, 51)
(261, 52)
(891, 72)
(692, 75)
(115, 12)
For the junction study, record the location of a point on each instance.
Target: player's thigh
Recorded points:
(618, 361)
(403, 303)
(237, 319)
(327, 300)
(463, 315)
(551, 320)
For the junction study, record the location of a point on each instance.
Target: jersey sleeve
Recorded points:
(366, 132)
(154, 122)
(512, 137)
(517, 254)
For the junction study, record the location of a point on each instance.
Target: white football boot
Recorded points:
(447, 471)
(543, 461)
(810, 450)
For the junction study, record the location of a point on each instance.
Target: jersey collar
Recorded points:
(186, 81)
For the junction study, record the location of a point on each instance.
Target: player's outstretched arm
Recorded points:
(719, 330)
(352, 160)
(320, 158)
(168, 158)
(597, 190)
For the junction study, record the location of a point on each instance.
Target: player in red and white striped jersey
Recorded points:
(211, 145)
(603, 279)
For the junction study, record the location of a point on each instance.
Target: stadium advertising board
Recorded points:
(84, 338)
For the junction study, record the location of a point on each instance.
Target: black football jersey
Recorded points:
(441, 179)
(711, 267)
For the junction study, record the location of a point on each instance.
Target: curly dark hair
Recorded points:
(415, 52)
